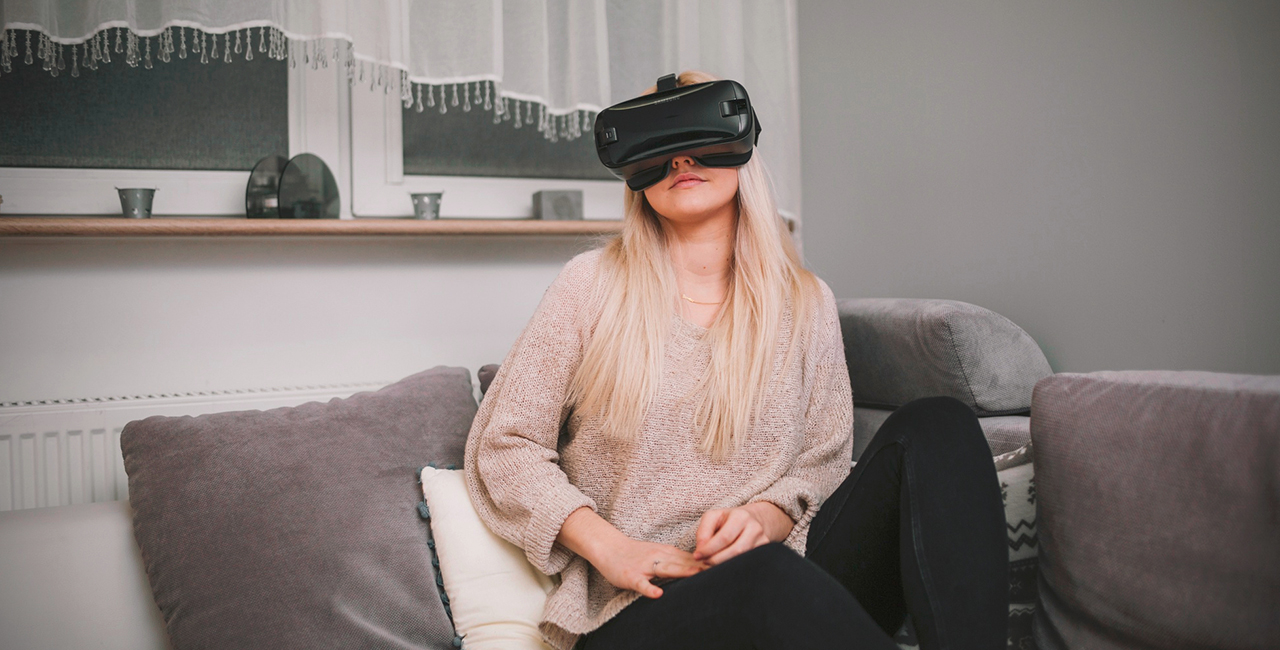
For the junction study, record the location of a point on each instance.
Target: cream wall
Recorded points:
(1106, 173)
(108, 317)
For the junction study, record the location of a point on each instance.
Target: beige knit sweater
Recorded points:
(530, 460)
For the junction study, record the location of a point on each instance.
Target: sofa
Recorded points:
(1141, 509)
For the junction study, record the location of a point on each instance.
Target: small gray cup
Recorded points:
(135, 202)
(426, 205)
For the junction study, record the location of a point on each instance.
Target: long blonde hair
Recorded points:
(621, 368)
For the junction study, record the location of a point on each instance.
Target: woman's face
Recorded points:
(691, 192)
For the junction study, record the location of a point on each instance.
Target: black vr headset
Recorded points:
(711, 122)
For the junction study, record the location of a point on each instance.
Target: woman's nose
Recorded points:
(686, 161)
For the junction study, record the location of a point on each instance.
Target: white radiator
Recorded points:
(63, 452)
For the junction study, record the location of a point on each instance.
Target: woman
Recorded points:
(670, 435)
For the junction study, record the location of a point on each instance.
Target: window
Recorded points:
(458, 142)
(194, 130)
(191, 129)
(178, 115)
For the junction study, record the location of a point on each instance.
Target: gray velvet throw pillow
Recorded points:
(904, 349)
(297, 527)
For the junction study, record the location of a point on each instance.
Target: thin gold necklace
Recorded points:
(696, 302)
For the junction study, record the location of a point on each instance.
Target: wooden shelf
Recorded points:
(232, 227)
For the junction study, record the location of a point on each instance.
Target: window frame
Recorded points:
(381, 188)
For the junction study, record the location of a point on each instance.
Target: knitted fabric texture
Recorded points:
(531, 460)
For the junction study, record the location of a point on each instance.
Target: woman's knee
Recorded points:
(785, 592)
(776, 571)
(937, 422)
(938, 403)
(766, 570)
(768, 559)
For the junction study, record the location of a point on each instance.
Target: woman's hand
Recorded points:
(633, 564)
(727, 533)
(626, 563)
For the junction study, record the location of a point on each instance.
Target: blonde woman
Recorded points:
(671, 437)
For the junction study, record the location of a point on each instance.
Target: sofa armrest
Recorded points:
(1157, 502)
(73, 578)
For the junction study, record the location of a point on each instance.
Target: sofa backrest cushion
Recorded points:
(298, 527)
(485, 374)
(903, 349)
(1157, 497)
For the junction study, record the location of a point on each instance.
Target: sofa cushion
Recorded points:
(485, 374)
(902, 349)
(1158, 496)
(866, 422)
(1004, 433)
(496, 595)
(298, 527)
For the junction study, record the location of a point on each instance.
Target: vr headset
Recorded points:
(711, 122)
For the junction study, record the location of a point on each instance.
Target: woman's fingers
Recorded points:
(743, 544)
(740, 532)
(668, 562)
(633, 564)
(709, 524)
(647, 589)
(680, 567)
(734, 522)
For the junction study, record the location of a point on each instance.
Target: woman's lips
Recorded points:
(686, 180)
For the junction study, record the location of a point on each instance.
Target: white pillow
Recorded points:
(495, 594)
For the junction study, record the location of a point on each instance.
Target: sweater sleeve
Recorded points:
(511, 463)
(827, 428)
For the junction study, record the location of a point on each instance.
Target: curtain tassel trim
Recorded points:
(239, 44)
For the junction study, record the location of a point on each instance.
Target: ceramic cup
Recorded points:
(135, 202)
(426, 205)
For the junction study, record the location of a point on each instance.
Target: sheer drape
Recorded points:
(571, 57)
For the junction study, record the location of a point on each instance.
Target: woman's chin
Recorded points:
(693, 207)
(689, 219)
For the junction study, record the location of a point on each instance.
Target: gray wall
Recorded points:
(1106, 173)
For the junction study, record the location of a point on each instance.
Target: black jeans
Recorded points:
(917, 527)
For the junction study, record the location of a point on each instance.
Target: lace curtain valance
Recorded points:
(553, 62)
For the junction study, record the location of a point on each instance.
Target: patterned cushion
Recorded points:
(1018, 488)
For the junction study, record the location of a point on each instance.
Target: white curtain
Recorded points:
(569, 57)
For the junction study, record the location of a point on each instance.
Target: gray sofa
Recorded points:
(1155, 494)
